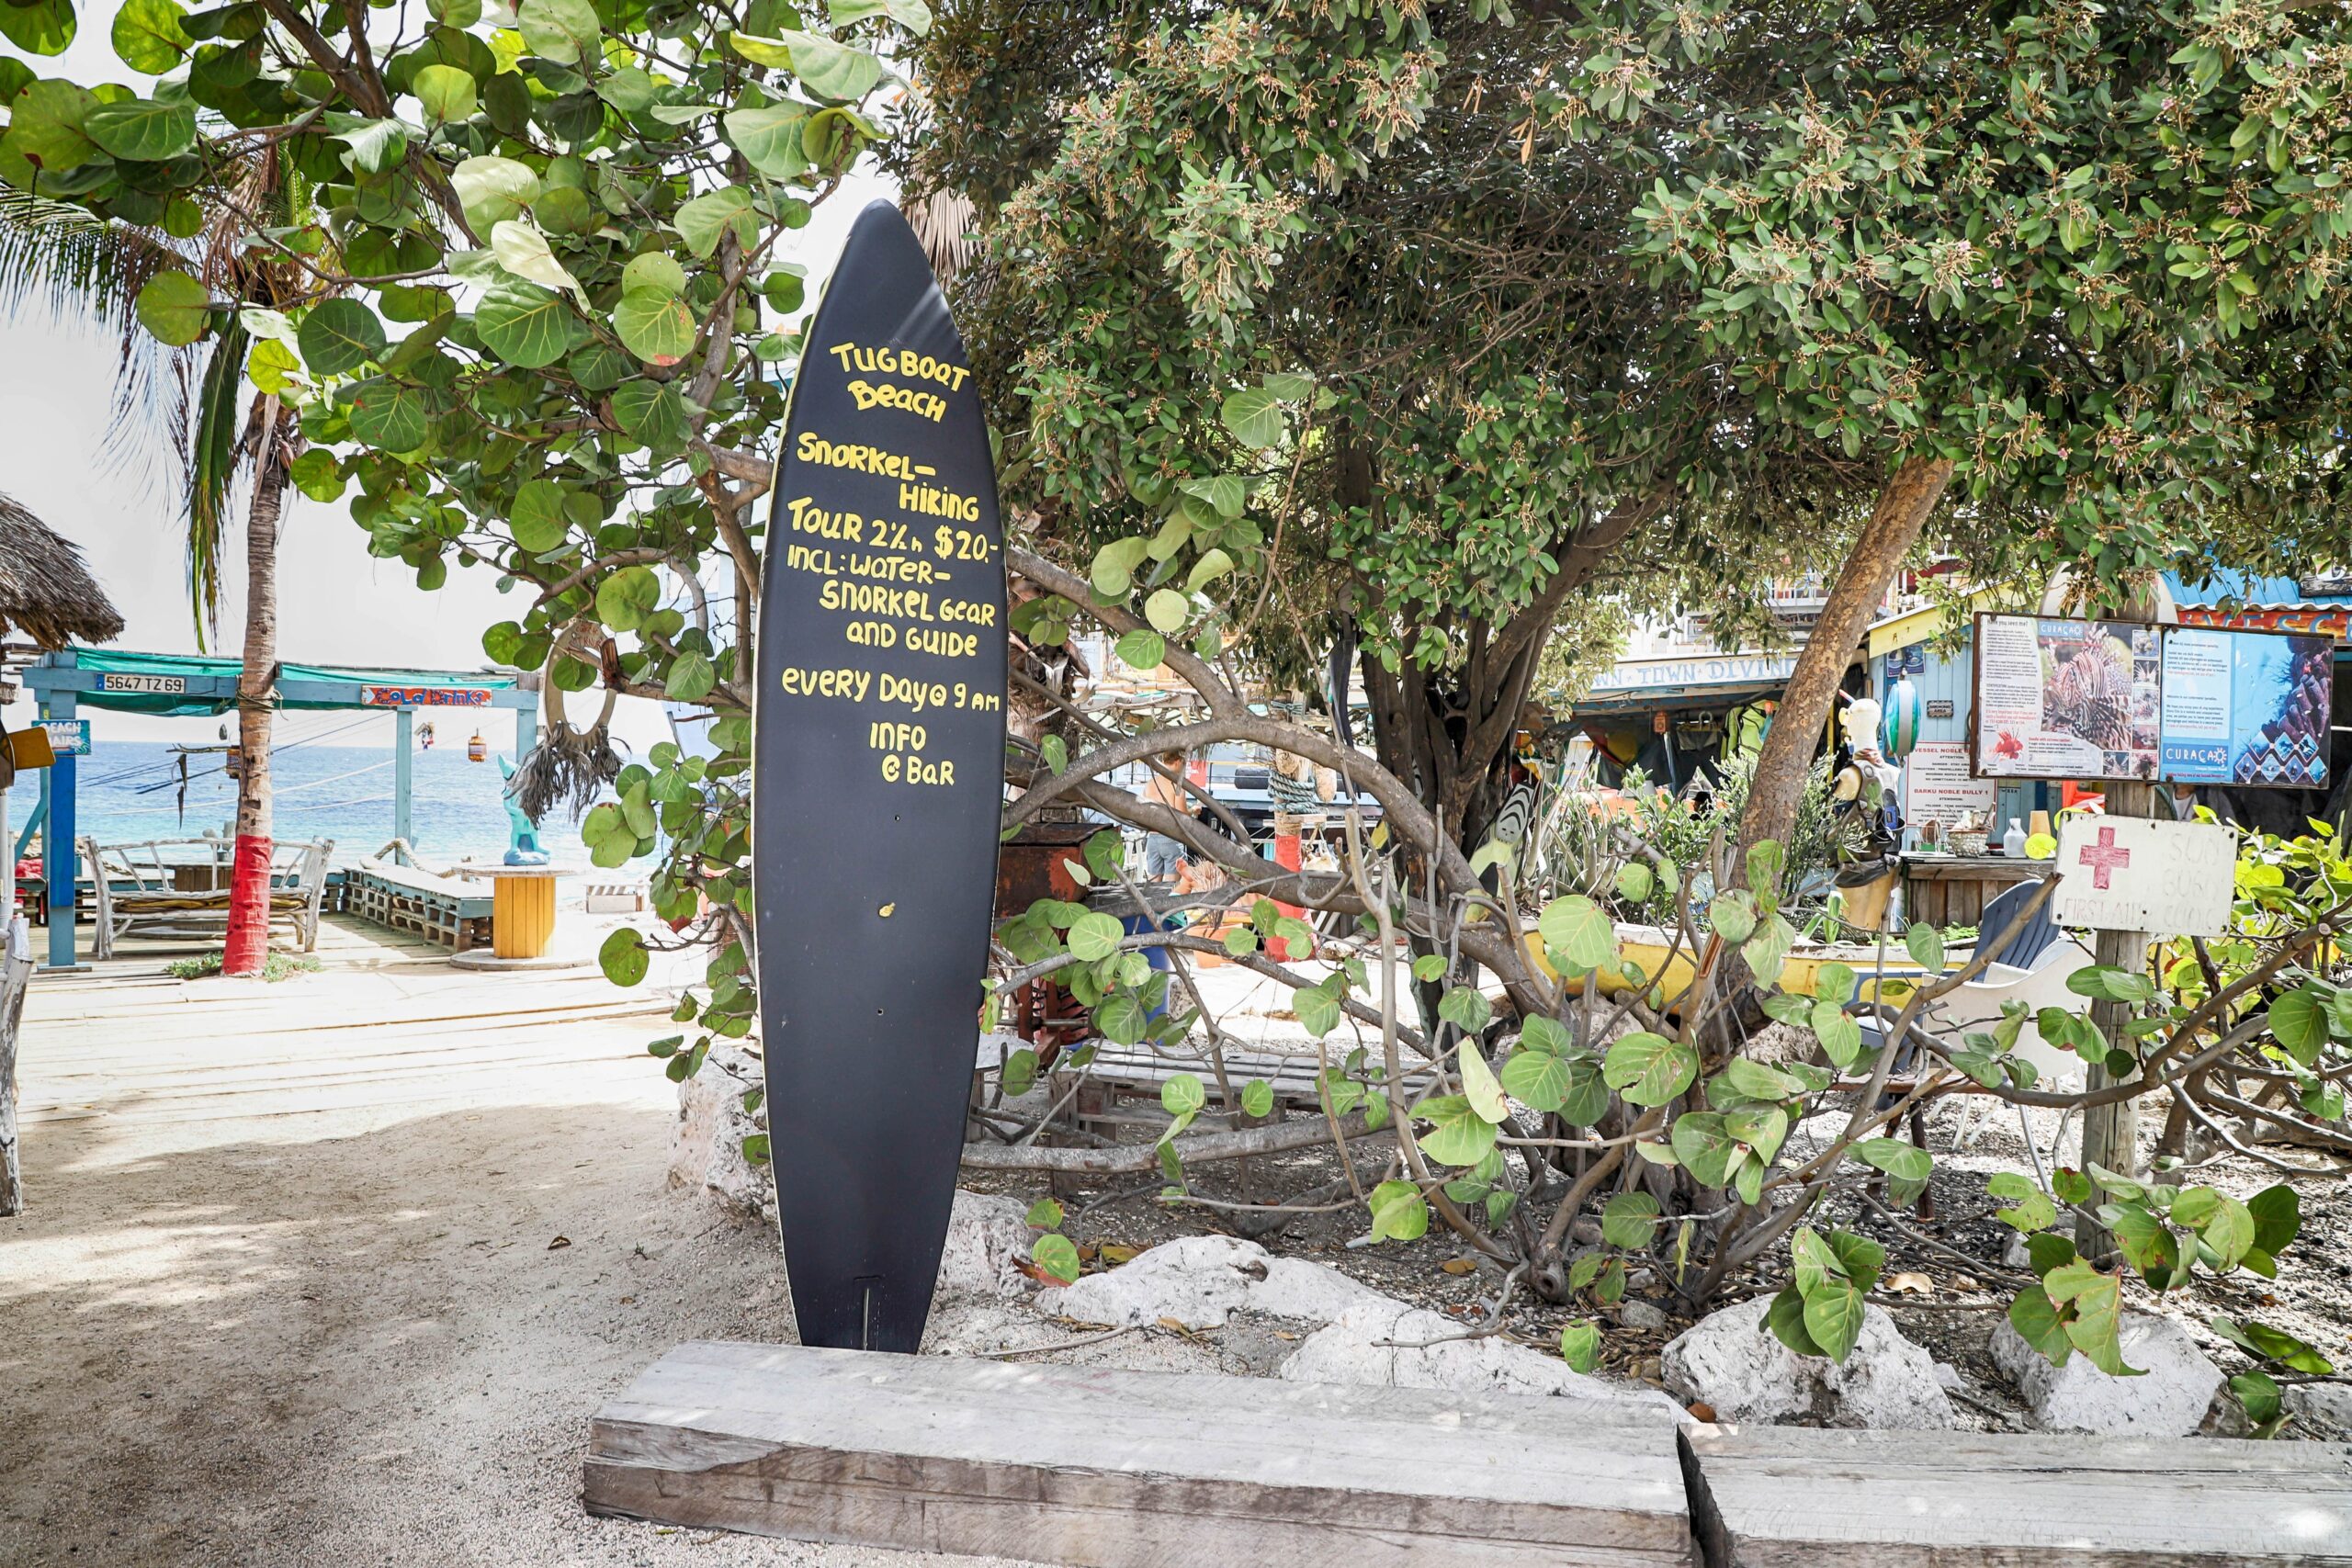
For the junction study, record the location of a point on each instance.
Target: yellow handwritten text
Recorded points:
(852, 684)
(914, 769)
(808, 517)
(855, 456)
(933, 502)
(904, 361)
(890, 395)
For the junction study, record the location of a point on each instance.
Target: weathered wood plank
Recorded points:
(15, 973)
(1794, 1497)
(1130, 1470)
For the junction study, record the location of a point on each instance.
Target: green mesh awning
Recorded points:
(187, 685)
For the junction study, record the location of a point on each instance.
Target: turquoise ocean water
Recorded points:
(131, 790)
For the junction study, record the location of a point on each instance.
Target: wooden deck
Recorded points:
(385, 1026)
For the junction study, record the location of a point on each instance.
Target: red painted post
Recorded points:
(247, 950)
(1286, 855)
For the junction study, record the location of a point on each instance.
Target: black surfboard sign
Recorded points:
(877, 790)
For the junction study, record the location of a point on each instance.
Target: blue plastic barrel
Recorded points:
(1140, 925)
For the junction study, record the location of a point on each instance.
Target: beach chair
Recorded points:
(137, 887)
(2033, 968)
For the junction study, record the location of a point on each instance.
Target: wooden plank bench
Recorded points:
(1799, 1497)
(447, 909)
(1130, 1470)
(158, 896)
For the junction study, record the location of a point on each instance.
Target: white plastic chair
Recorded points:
(2033, 968)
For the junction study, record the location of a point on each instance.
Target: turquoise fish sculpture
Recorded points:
(522, 834)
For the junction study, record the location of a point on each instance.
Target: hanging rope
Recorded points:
(569, 767)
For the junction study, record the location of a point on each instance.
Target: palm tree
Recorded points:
(194, 397)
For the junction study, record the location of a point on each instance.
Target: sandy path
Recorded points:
(286, 1294)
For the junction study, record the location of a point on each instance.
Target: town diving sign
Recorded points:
(877, 789)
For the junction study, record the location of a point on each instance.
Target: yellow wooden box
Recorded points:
(30, 748)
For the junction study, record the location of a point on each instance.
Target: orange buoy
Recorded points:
(477, 750)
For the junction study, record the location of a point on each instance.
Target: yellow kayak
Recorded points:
(1647, 947)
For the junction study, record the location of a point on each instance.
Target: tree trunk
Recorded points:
(247, 950)
(1451, 739)
(1902, 508)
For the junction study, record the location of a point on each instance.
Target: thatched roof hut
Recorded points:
(46, 593)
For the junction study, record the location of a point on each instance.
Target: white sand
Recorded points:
(285, 1294)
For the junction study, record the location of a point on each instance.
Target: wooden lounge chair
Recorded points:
(136, 889)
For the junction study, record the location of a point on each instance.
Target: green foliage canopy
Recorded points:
(1475, 309)
(544, 318)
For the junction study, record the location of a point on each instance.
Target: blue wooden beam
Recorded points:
(38, 817)
(44, 677)
(44, 680)
(57, 850)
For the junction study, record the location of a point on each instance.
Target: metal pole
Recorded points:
(57, 847)
(403, 774)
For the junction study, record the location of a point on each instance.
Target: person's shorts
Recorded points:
(1160, 855)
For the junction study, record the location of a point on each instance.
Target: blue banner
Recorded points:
(2245, 708)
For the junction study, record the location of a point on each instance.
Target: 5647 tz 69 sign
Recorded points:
(169, 686)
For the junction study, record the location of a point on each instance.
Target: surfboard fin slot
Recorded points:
(869, 1286)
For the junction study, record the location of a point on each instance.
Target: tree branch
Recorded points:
(747, 467)
(1197, 672)
(1129, 1157)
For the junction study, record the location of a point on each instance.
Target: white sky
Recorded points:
(336, 603)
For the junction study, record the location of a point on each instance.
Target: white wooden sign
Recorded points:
(1936, 783)
(2133, 875)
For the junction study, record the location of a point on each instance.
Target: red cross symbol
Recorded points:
(2103, 858)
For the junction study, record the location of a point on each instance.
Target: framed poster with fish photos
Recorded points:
(2058, 698)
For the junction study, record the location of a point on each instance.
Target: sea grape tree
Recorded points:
(542, 314)
(1314, 326)
(1630, 296)
(1330, 326)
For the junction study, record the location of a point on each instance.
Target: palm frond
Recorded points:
(190, 399)
(214, 458)
(59, 258)
(58, 261)
(946, 226)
